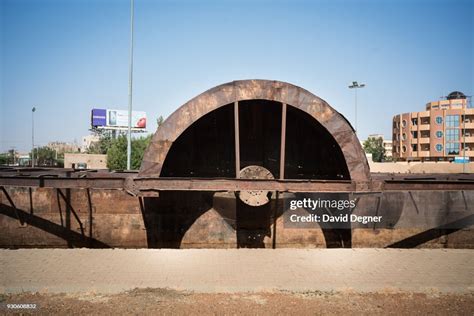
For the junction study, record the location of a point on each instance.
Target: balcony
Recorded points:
(424, 127)
(423, 153)
(469, 153)
(469, 139)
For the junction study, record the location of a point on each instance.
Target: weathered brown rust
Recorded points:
(140, 185)
(255, 198)
(128, 223)
(236, 91)
(165, 207)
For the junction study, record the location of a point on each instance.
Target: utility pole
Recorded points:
(33, 110)
(130, 82)
(355, 85)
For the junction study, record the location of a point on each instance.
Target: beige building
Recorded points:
(85, 161)
(442, 132)
(87, 141)
(63, 147)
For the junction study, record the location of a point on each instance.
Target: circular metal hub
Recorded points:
(255, 198)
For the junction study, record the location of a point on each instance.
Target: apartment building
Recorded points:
(444, 131)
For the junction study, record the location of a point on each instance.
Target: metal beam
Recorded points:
(283, 141)
(130, 182)
(12, 204)
(428, 185)
(63, 183)
(237, 139)
(223, 185)
(70, 209)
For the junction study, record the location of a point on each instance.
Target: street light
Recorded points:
(33, 110)
(130, 81)
(355, 85)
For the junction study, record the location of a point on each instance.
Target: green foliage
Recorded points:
(102, 146)
(374, 146)
(45, 156)
(4, 159)
(8, 158)
(117, 153)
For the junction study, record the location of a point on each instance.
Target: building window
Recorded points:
(439, 147)
(439, 134)
(452, 148)
(439, 120)
(404, 136)
(404, 149)
(452, 120)
(404, 123)
(452, 135)
(414, 121)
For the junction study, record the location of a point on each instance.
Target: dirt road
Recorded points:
(241, 270)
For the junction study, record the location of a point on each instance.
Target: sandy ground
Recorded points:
(245, 281)
(169, 302)
(237, 270)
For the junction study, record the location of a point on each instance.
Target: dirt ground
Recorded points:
(112, 271)
(167, 302)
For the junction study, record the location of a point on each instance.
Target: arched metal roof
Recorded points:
(241, 90)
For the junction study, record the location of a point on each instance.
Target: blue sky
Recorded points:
(66, 57)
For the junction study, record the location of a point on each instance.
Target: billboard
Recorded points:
(117, 118)
(98, 117)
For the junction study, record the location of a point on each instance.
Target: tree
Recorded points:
(117, 153)
(102, 146)
(3, 159)
(374, 146)
(45, 156)
(12, 156)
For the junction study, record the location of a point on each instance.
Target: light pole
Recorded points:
(130, 81)
(33, 110)
(355, 85)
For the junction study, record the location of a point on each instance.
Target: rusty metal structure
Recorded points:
(218, 173)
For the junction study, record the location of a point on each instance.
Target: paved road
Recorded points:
(211, 271)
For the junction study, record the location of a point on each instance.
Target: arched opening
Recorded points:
(199, 141)
(206, 148)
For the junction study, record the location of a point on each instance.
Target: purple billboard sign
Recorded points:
(98, 117)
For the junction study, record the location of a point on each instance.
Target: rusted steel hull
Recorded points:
(136, 185)
(223, 170)
(236, 91)
(188, 218)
